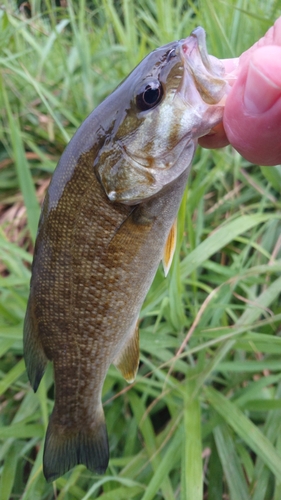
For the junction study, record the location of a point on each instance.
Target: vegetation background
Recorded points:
(203, 419)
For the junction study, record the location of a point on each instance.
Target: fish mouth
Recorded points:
(200, 35)
(207, 72)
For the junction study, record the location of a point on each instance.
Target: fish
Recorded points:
(107, 221)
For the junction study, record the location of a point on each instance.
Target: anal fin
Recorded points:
(170, 247)
(34, 356)
(127, 362)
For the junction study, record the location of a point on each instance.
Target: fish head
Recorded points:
(173, 97)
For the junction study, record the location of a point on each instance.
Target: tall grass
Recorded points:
(203, 419)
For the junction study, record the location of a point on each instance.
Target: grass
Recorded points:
(203, 419)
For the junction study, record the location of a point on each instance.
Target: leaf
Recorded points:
(9, 471)
(246, 430)
(192, 467)
(230, 463)
(12, 376)
(23, 172)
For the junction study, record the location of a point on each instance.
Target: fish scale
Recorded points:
(108, 219)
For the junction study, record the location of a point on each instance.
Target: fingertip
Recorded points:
(267, 60)
(263, 81)
(252, 116)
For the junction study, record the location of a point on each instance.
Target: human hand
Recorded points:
(252, 115)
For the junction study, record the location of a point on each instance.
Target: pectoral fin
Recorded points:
(170, 247)
(127, 361)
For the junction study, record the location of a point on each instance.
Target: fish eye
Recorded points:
(150, 96)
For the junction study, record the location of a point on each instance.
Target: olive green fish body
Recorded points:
(104, 225)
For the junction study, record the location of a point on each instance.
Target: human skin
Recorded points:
(252, 116)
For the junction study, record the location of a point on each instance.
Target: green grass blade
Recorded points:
(23, 172)
(21, 431)
(231, 464)
(168, 462)
(9, 471)
(146, 428)
(192, 467)
(246, 430)
(12, 376)
(56, 66)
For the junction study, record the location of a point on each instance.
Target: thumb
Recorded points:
(252, 116)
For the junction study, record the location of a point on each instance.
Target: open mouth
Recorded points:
(207, 71)
(200, 35)
(197, 40)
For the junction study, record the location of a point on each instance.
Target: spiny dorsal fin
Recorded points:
(127, 362)
(170, 247)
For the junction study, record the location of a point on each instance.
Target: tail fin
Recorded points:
(66, 447)
(34, 356)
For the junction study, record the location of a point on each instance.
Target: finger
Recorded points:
(231, 68)
(272, 37)
(252, 116)
(236, 71)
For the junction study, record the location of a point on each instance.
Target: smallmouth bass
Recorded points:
(107, 221)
